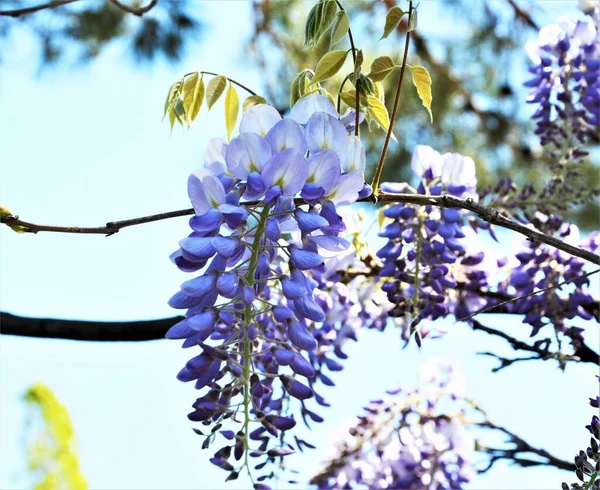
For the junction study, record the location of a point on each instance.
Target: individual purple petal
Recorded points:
(287, 133)
(280, 451)
(181, 301)
(302, 367)
(228, 434)
(227, 283)
(325, 132)
(308, 222)
(304, 259)
(394, 187)
(259, 119)
(287, 170)
(247, 153)
(324, 169)
(198, 246)
(205, 191)
(295, 388)
(347, 189)
(198, 286)
(273, 229)
(312, 193)
(225, 246)
(180, 330)
(255, 186)
(207, 222)
(197, 195)
(234, 215)
(284, 423)
(301, 337)
(214, 156)
(333, 243)
(284, 357)
(208, 375)
(353, 157)
(307, 106)
(202, 323)
(293, 289)
(307, 308)
(365, 192)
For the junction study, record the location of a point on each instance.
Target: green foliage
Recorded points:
(378, 112)
(232, 107)
(215, 89)
(329, 65)
(381, 68)
(319, 20)
(392, 19)
(422, 80)
(252, 101)
(299, 86)
(52, 458)
(340, 27)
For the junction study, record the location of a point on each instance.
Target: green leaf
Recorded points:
(377, 110)
(232, 107)
(172, 95)
(349, 97)
(412, 25)
(422, 81)
(392, 19)
(252, 101)
(329, 65)
(215, 89)
(381, 68)
(320, 18)
(358, 63)
(194, 109)
(189, 87)
(340, 27)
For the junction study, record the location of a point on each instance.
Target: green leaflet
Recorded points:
(298, 86)
(422, 81)
(215, 89)
(340, 27)
(173, 90)
(252, 101)
(392, 19)
(413, 21)
(381, 68)
(232, 107)
(320, 18)
(197, 99)
(349, 98)
(329, 65)
(377, 110)
(189, 87)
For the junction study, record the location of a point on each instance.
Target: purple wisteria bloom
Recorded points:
(252, 311)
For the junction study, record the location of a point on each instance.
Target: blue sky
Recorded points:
(85, 146)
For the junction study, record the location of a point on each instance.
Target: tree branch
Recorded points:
(51, 328)
(139, 11)
(30, 10)
(523, 15)
(490, 215)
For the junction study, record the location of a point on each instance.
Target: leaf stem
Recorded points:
(231, 80)
(378, 172)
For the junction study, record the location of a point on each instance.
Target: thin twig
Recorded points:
(36, 8)
(375, 182)
(235, 82)
(490, 215)
(139, 11)
(523, 15)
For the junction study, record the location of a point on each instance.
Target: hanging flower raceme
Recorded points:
(410, 439)
(427, 249)
(252, 308)
(566, 80)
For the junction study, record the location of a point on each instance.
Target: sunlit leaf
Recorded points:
(320, 18)
(358, 63)
(340, 26)
(194, 109)
(174, 92)
(232, 107)
(215, 89)
(381, 68)
(349, 98)
(392, 19)
(412, 25)
(252, 101)
(377, 110)
(189, 88)
(329, 65)
(422, 81)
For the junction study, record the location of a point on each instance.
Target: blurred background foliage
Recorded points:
(474, 50)
(53, 462)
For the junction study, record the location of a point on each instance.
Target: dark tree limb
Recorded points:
(51, 328)
(523, 15)
(30, 10)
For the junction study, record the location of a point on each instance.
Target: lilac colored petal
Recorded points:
(208, 375)
(347, 190)
(424, 158)
(324, 169)
(227, 283)
(203, 324)
(284, 357)
(259, 119)
(348, 119)
(225, 246)
(365, 192)
(353, 157)
(333, 243)
(458, 170)
(180, 330)
(198, 286)
(307, 106)
(282, 313)
(205, 191)
(284, 423)
(207, 222)
(273, 229)
(294, 289)
(214, 156)
(184, 263)
(304, 259)
(287, 133)
(198, 246)
(325, 132)
(280, 451)
(296, 389)
(181, 301)
(309, 221)
(394, 187)
(247, 153)
(255, 186)
(286, 169)
(307, 308)
(234, 215)
(301, 337)
(312, 192)
(197, 195)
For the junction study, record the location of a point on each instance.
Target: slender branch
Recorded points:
(235, 82)
(139, 11)
(377, 177)
(30, 10)
(51, 328)
(487, 214)
(523, 15)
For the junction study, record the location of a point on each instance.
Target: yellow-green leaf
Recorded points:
(189, 88)
(349, 97)
(381, 68)
(232, 107)
(252, 101)
(215, 89)
(172, 117)
(392, 19)
(329, 65)
(422, 81)
(412, 25)
(377, 110)
(173, 93)
(340, 26)
(194, 109)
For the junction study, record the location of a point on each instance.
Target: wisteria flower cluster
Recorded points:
(566, 80)
(427, 249)
(251, 309)
(410, 439)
